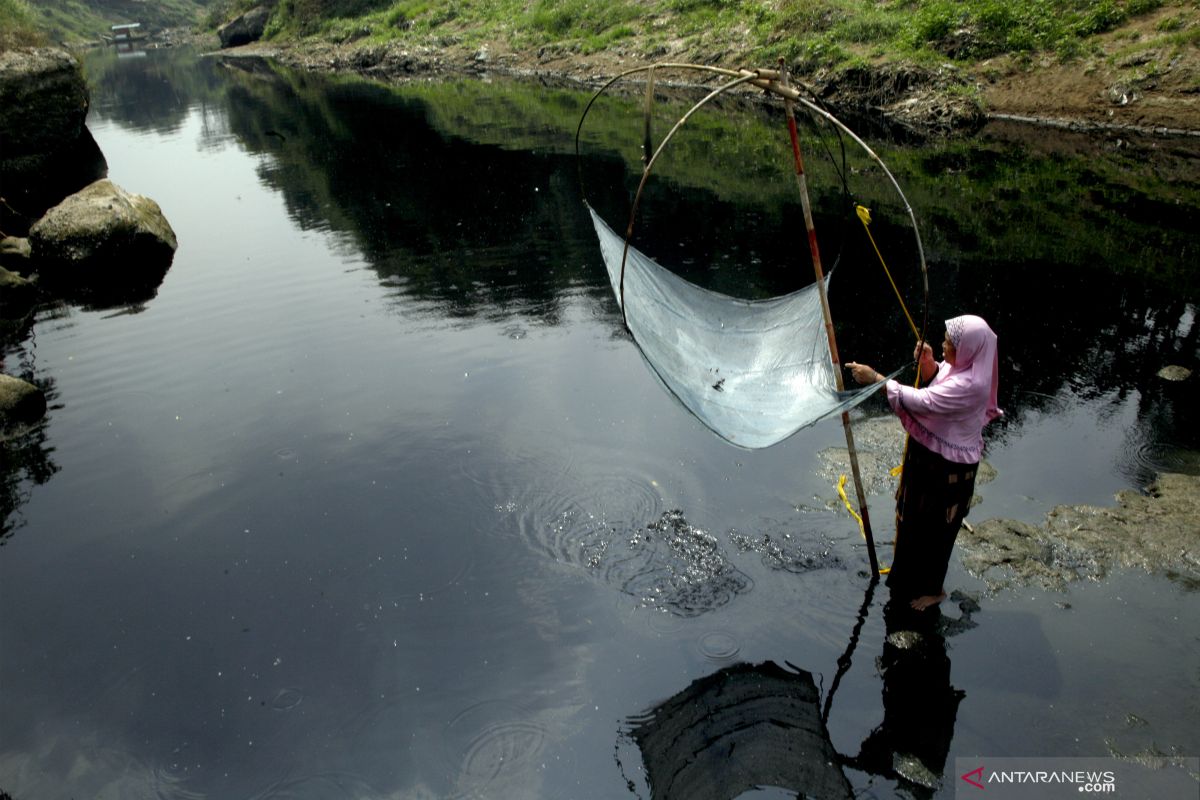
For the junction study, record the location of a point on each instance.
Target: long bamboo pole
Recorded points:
(802, 184)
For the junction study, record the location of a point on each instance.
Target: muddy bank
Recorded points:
(1156, 530)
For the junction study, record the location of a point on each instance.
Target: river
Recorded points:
(375, 498)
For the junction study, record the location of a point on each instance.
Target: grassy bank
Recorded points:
(87, 20)
(18, 26)
(807, 33)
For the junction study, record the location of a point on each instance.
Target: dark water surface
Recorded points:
(374, 498)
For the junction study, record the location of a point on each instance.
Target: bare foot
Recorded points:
(924, 602)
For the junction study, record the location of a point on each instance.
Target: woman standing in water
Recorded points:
(944, 418)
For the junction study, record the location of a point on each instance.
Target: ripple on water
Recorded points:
(579, 524)
(661, 620)
(286, 699)
(487, 744)
(1146, 459)
(286, 454)
(784, 549)
(615, 526)
(718, 646)
(677, 566)
(171, 779)
(320, 786)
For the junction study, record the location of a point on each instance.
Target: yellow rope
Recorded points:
(842, 493)
(864, 214)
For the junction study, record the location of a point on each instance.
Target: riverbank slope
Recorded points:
(1142, 75)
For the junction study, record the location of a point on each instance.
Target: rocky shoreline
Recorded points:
(66, 232)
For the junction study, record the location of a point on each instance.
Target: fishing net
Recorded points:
(753, 371)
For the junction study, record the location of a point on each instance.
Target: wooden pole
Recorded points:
(802, 184)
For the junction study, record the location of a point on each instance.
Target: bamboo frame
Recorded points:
(775, 82)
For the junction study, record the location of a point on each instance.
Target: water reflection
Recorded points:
(740, 728)
(750, 726)
(26, 455)
(912, 742)
(26, 461)
(1087, 286)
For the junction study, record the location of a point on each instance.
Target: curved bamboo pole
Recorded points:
(776, 82)
(637, 198)
(769, 80)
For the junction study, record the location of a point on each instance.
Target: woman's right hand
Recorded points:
(926, 366)
(863, 374)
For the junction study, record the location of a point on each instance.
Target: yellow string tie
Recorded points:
(841, 493)
(850, 508)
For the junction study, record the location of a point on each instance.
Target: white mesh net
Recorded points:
(754, 372)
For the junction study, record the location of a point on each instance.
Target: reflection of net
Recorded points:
(754, 372)
(743, 727)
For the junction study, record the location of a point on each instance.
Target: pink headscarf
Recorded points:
(948, 416)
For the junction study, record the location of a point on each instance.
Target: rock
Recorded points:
(1174, 372)
(47, 151)
(43, 102)
(14, 253)
(101, 240)
(244, 29)
(17, 295)
(20, 402)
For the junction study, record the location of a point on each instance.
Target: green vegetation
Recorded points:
(18, 27)
(809, 33)
(87, 20)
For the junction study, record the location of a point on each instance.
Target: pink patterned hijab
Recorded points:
(948, 416)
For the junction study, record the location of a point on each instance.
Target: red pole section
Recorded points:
(805, 203)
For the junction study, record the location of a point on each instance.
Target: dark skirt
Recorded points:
(931, 504)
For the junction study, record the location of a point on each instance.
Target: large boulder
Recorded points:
(46, 151)
(244, 29)
(20, 402)
(43, 102)
(102, 241)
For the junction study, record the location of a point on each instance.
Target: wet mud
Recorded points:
(1156, 529)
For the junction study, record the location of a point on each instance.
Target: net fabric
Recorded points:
(753, 371)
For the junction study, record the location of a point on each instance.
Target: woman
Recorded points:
(945, 420)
